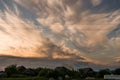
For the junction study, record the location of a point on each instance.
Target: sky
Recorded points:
(60, 33)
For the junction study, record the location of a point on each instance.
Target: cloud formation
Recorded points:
(80, 30)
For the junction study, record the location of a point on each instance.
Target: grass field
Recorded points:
(40, 78)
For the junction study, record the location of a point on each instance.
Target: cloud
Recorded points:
(96, 2)
(32, 45)
(68, 29)
(49, 63)
(41, 62)
(117, 59)
(15, 34)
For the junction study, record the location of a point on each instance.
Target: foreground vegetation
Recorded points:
(30, 78)
(39, 79)
(14, 72)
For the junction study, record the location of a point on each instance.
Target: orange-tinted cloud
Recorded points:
(59, 29)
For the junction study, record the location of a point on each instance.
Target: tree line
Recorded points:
(58, 73)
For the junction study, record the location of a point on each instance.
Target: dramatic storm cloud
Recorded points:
(77, 30)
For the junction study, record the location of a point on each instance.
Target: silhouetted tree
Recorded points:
(87, 72)
(21, 69)
(52, 74)
(62, 71)
(74, 74)
(103, 72)
(37, 70)
(116, 71)
(57, 74)
(11, 69)
(29, 72)
(43, 72)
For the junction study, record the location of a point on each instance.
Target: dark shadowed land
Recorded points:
(40, 79)
(14, 72)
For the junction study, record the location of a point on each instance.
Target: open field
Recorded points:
(40, 78)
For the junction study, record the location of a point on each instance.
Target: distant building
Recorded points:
(111, 76)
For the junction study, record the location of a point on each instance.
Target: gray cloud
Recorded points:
(41, 62)
(69, 29)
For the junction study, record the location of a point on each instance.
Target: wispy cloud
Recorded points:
(68, 29)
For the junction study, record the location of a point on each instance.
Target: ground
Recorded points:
(40, 78)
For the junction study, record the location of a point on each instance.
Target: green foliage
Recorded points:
(29, 72)
(44, 72)
(41, 78)
(11, 70)
(62, 71)
(18, 76)
(37, 70)
(74, 74)
(34, 78)
(103, 72)
(116, 71)
(87, 72)
(52, 74)
(21, 69)
(23, 73)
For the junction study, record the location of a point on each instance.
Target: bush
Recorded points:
(11, 70)
(116, 71)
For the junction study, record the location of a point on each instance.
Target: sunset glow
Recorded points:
(77, 30)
